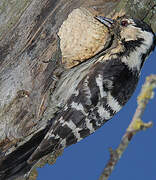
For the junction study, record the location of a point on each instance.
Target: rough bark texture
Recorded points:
(30, 57)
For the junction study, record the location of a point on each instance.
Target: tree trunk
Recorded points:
(30, 58)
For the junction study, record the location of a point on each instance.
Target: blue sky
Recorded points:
(86, 159)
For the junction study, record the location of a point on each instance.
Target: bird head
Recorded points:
(137, 37)
(128, 29)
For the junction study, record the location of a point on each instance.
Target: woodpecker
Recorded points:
(89, 94)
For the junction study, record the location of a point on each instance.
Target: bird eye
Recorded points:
(124, 23)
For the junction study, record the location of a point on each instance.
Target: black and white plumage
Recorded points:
(89, 94)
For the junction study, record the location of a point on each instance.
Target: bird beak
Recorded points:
(106, 21)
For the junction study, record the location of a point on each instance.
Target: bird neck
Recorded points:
(132, 54)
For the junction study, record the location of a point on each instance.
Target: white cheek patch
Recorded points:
(129, 33)
(134, 59)
(147, 42)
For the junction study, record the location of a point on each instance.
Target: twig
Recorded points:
(136, 125)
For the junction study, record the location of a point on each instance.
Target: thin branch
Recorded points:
(136, 125)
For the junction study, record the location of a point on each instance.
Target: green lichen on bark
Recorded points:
(10, 12)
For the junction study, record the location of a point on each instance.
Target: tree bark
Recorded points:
(30, 57)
